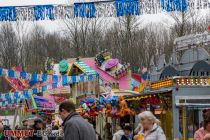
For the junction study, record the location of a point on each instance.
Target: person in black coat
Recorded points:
(38, 126)
(75, 127)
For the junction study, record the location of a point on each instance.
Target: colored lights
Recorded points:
(192, 81)
(181, 81)
(162, 83)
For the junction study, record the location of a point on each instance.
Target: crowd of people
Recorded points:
(75, 127)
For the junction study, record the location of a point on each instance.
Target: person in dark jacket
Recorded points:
(127, 133)
(38, 126)
(75, 127)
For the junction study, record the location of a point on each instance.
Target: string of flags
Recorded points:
(126, 8)
(57, 81)
(115, 8)
(173, 5)
(18, 97)
(46, 78)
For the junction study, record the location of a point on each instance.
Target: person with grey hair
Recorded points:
(151, 129)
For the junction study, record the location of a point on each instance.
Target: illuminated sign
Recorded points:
(193, 81)
(162, 84)
(181, 81)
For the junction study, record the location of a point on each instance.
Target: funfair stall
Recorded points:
(180, 90)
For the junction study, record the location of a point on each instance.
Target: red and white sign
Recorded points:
(18, 133)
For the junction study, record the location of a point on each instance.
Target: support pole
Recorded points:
(184, 122)
(15, 118)
(176, 133)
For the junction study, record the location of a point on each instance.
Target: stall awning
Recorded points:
(125, 93)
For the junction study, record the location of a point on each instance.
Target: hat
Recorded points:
(111, 63)
(63, 66)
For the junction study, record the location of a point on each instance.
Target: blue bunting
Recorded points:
(34, 77)
(127, 7)
(35, 90)
(23, 75)
(7, 96)
(82, 77)
(44, 88)
(44, 77)
(55, 78)
(16, 95)
(173, 5)
(3, 104)
(11, 73)
(7, 14)
(74, 79)
(64, 80)
(84, 10)
(43, 12)
(25, 94)
(90, 77)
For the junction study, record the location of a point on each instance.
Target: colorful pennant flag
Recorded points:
(44, 77)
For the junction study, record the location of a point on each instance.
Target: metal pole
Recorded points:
(184, 122)
(15, 118)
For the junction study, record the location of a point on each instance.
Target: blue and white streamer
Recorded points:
(44, 12)
(127, 7)
(84, 10)
(97, 9)
(174, 5)
(7, 14)
(44, 77)
(14, 97)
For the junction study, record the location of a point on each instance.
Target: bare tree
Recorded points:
(8, 41)
(21, 29)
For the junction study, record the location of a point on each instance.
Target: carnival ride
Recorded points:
(17, 84)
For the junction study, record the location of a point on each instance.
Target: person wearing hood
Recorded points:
(118, 135)
(151, 129)
(75, 127)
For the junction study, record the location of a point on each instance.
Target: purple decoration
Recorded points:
(111, 63)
